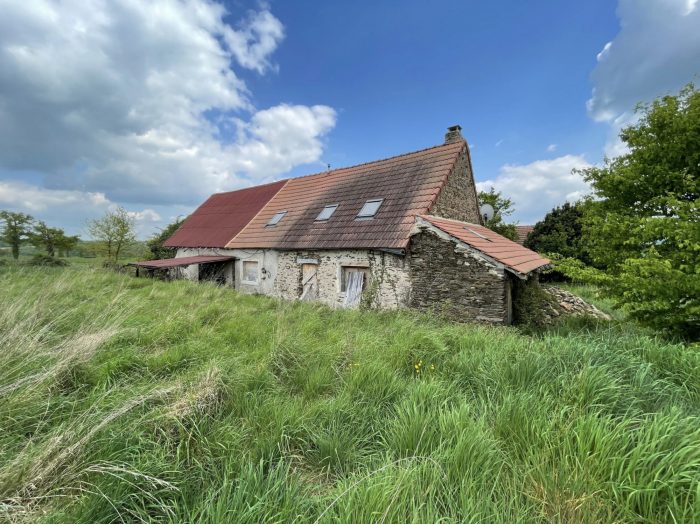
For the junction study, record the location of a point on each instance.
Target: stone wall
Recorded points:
(388, 285)
(280, 273)
(456, 281)
(458, 199)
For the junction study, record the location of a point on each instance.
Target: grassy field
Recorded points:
(131, 400)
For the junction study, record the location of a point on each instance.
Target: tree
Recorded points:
(49, 238)
(66, 244)
(644, 220)
(16, 229)
(503, 207)
(155, 243)
(560, 231)
(115, 230)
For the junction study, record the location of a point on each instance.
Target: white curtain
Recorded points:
(353, 288)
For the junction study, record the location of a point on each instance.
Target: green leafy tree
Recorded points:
(643, 225)
(503, 207)
(115, 230)
(50, 239)
(155, 243)
(67, 244)
(561, 232)
(16, 229)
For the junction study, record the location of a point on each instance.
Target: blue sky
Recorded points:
(153, 106)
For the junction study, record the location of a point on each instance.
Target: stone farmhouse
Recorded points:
(400, 232)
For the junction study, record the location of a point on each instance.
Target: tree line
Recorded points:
(114, 231)
(637, 236)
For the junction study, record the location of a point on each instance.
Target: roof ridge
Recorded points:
(249, 187)
(463, 141)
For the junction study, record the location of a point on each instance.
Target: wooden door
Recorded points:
(309, 281)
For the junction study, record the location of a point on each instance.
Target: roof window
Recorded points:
(370, 208)
(327, 212)
(276, 218)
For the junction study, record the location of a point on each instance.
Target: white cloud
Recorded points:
(538, 187)
(146, 215)
(69, 209)
(139, 101)
(656, 52)
(551, 148)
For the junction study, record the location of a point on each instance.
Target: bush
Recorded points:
(531, 303)
(46, 261)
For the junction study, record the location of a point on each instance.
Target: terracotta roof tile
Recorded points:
(511, 254)
(523, 232)
(409, 184)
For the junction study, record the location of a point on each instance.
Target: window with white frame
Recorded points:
(250, 272)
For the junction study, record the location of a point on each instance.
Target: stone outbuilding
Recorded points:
(400, 232)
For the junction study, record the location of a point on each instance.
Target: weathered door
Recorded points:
(309, 281)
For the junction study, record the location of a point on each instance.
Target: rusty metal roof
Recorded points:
(408, 185)
(222, 217)
(182, 261)
(512, 255)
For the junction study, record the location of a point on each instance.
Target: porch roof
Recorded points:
(178, 262)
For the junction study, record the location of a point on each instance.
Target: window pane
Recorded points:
(370, 208)
(250, 271)
(327, 212)
(278, 216)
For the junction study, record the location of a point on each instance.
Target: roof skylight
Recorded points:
(327, 212)
(370, 208)
(276, 218)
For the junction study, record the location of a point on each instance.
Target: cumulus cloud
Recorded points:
(551, 148)
(143, 103)
(539, 186)
(656, 52)
(69, 209)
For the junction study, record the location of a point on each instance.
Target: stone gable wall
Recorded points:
(455, 281)
(458, 199)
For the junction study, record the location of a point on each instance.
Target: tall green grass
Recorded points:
(132, 400)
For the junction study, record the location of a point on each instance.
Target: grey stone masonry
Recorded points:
(458, 199)
(456, 282)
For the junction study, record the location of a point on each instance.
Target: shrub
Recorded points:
(46, 261)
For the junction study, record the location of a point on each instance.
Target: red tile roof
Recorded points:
(222, 217)
(511, 254)
(523, 232)
(409, 185)
(182, 261)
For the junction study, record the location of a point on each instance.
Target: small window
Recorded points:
(250, 271)
(346, 275)
(327, 212)
(370, 208)
(276, 218)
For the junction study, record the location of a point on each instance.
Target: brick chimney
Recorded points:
(453, 134)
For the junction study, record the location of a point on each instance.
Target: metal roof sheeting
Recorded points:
(182, 261)
(222, 217)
